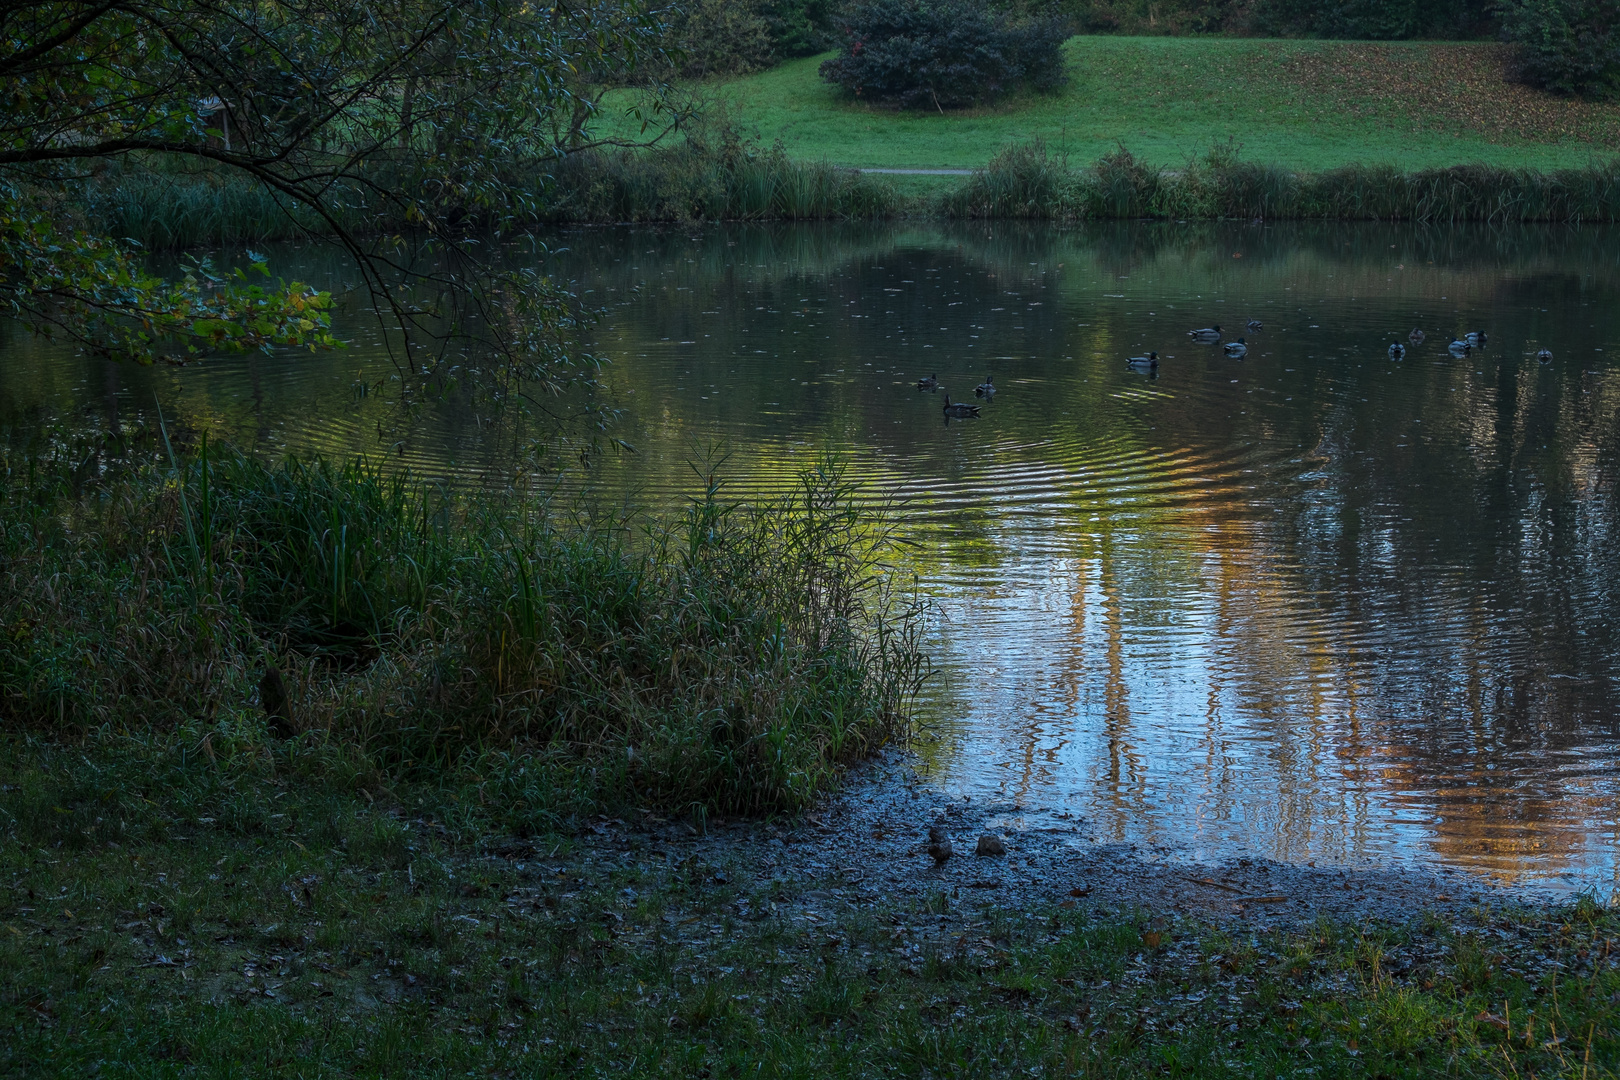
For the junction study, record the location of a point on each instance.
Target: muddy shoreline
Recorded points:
(868, 845)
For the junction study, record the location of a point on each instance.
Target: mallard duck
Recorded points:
(985, 389)
(929, 383)
(959, 408)
(1209, 335)
(1255, 324)
(1397, 351)
(1416, 336)
(1150, 362)
(1476, 338)
(1458, 347)
(1238, 348)
(1545, 356)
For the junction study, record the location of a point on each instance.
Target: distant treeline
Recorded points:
(727, 37)
(1358, 19)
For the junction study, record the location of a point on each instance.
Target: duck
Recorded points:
(1210, 334)
(959, 408)
(1476, 338)
(1255, 324)
(939, 845)
(1459, 347)
(929, 383)
(1416, 336)
(1397, 351)
(1238, 348)
(985, 389)
(1150, 362)
(1545, 356)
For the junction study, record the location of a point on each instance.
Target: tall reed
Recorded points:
(1027, 181)
(729, 659)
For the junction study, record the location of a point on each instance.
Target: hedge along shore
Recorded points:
(689, 184)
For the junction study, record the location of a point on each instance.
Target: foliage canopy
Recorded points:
(415, 122)
(1567, 46)
(938, 53)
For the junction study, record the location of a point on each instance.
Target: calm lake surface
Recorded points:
(1313, 604)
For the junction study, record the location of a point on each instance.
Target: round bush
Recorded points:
(942, 53)
(1567, 46)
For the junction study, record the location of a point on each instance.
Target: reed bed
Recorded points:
(728, 660)
(693, 183)
(170, 210)
(1029, 181)
(726, 178)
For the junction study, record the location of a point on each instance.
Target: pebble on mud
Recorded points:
(990, 844)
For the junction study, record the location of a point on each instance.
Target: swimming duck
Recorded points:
(985, 389)
(1416, 336)
(1255, 324)
(929, 383)
(1476, 338)
(1397, 351)
(1545, 356)
(1238, 348)
(959, 408)
(1150, 362)
(1209, 335)
(1460, 348)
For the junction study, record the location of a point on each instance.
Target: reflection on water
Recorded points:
(1315, 603)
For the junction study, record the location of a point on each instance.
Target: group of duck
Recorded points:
(1211, 335)
(1458, 347)
(960, 409)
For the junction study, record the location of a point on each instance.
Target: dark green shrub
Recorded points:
(719, 37)
(1566, 46)
(938, 53)
(799, 27)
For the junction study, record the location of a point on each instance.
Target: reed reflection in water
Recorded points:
(1314, 604)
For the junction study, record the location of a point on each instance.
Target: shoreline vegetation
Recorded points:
(693, 183)
(728, 660)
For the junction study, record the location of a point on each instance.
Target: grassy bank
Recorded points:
(1390, 131)
(1302, 105)
(256, 921)
(727, 661)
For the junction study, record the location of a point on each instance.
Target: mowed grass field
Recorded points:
(1301, 104)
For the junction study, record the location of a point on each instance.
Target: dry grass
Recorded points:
(1447, 87)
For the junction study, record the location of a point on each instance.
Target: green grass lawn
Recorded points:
(1301, 104)
(262, 920)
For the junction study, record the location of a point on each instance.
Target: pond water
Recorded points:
(1313, 604)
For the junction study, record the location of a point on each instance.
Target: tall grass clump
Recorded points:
(1024, 180)
(697, 181)
(1028, 181)
(729, 659)
(180, 208)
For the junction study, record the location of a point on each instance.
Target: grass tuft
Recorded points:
(726, 661)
